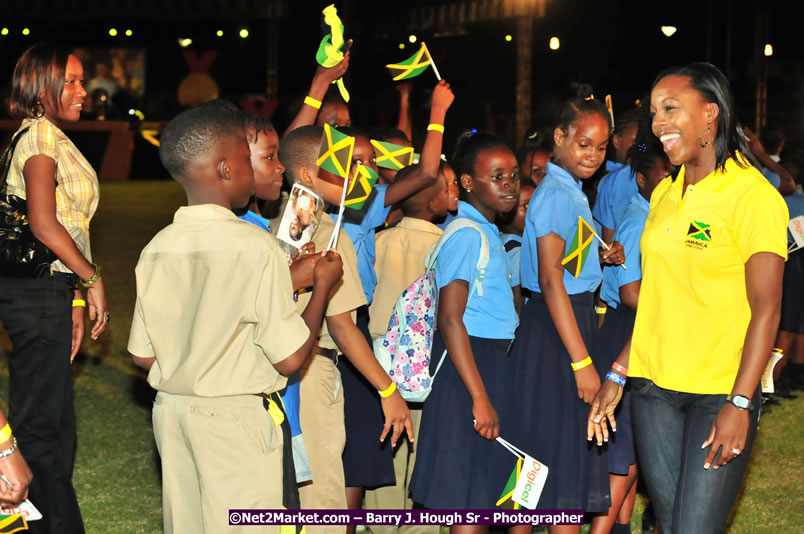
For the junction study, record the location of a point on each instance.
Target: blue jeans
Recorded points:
(669, 428)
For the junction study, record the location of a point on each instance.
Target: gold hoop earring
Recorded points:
(703, 143)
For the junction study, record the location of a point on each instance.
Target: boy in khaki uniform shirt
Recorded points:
(321, 409)
(217, 329)
(401, 254)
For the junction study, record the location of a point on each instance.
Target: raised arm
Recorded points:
(318, 89)
(787, 185)
(427, 171)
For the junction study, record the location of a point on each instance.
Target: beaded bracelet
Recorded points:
(94, 277)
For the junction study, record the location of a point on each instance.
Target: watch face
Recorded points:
(741, 402)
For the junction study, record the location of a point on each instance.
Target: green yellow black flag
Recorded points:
(506, 499)
(12, 523)
(391, 156)
(360, 188)
(579, 248)
(700, 231)
(335, 155)
(414, 65)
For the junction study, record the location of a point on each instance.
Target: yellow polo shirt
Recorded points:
(693, 309)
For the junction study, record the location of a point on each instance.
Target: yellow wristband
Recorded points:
(79, 302)
(312, 102)
(436, 127)
(600, 310)
(5, 433)
(387, 392)
(577, 366)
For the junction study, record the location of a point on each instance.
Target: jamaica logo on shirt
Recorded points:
(698, 235)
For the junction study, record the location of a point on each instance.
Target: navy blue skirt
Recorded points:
(550, 422)
(455, 467)
(609, 342)
(367, 463)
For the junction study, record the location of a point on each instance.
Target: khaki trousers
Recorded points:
(217, 453)
(321, 417)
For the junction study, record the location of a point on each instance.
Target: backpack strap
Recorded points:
(482, 260)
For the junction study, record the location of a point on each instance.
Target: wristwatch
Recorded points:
(740, 402)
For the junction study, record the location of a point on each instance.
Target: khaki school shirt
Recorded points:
(401, 252)
(348, 295)
(214, 306)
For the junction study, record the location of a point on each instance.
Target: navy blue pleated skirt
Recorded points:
(550, 420)
(367, 463)
(455, 467)
(609, 342)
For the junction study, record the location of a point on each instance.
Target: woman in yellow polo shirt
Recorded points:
(713, 253)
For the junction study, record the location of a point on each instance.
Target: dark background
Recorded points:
(616, 46)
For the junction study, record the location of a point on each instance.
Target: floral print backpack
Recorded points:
(405, 349)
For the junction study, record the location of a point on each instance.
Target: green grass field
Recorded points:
(117, 470)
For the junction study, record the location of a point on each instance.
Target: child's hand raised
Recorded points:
(330, 74)
(442, 96)
(328, 271)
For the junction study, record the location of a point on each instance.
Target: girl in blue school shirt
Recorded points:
(553, 375)
(458, 465)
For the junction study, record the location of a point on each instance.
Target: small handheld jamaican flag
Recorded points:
(506, 499)
(12, 523)
(579, 248)
(394, 157)
(361, 187)
(414, 65)
(335, 155)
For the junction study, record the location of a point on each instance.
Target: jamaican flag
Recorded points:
(335, 155)
(413, 66)
(394, 157)
(700, 231)
(506, 499)
(12, 523)
(361, 187)
(579, 248)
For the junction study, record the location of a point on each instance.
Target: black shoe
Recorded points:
(648, 520)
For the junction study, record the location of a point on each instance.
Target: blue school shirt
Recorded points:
(629, 232)
(614, 193)
(774, 179)
(290, 397)
(513, 255)
(448, 219)
(554, 208)
(795, 205)
(362, 236)
(491, 316)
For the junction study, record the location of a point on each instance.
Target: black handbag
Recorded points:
(21, 253)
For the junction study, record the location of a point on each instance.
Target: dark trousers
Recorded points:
(37, 315)
(669, 429)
